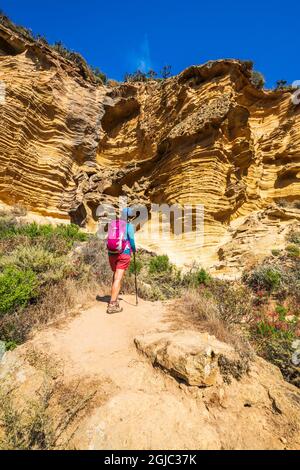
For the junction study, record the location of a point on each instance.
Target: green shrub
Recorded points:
(294, 237)
(34, 257)
(265, 329)
(10, 345)
(203, 277)
(7, 226)
(99, 75)
(293, 250)
(46, 265)
(257, 79)
(282, 311)
(195, 277)
(263, 278)
(281, 85)
(70, 233)
(138, 266)
(278, 351)
(275, 252)
(17, 288)
(137, 76)
(234, 301)
(159, 264)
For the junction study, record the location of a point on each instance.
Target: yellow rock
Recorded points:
(206, 136)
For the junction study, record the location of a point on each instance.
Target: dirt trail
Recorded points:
(144, 408)
(97, 344)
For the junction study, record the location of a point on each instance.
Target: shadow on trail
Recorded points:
(106, 299)
(103, 298)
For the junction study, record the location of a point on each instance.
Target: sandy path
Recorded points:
(144, 405)
(97, 344)
(141, 407)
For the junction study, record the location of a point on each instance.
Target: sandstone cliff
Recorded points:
(206, 136)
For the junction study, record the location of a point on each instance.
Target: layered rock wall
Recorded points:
(206, 136)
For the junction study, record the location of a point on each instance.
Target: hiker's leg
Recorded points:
(116, 287)
(113, 280)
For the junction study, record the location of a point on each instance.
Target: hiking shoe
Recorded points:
(114, 308)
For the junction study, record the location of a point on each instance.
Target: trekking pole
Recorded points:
(136, 289)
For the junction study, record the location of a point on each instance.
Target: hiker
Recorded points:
(120, 245)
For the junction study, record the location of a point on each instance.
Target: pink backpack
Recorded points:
(116, 240)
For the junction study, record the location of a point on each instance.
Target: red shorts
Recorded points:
(119, 262)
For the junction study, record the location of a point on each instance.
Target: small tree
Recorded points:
(3, 17)
(151, 74)
(59, 47)
(99, 75)
(127, 77)
(281, 84)
(257, 79)
(137, 76)
(166, 71)
(41, 39)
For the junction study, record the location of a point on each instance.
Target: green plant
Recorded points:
(99, 75)
(151, 74)
(33, 257)
(293, 250)
(265, 329)
(166, 71)
(9, 227)
(202, 277)
(159, 264)
(282, 311)
(70, 232)
(275, 252)
(281, 85)
(137, 76)
(263, 278)
(234, 301)
(41, 39)
(294, 237)
(278, 351)
(138, 266)
(257, 79)
(17, 288)
(10, 345)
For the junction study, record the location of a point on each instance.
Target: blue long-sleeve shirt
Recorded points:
(130, 238)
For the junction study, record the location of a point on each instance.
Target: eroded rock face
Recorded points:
(206, 136)
(188, 355)
(50, 126)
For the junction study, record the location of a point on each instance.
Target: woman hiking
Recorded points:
(120, 245)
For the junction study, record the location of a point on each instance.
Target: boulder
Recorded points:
(187, 355)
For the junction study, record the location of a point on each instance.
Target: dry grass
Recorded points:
(54, 304)
(202, 309)
(48, 422)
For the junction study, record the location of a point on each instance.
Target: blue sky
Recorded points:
(121, 36)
